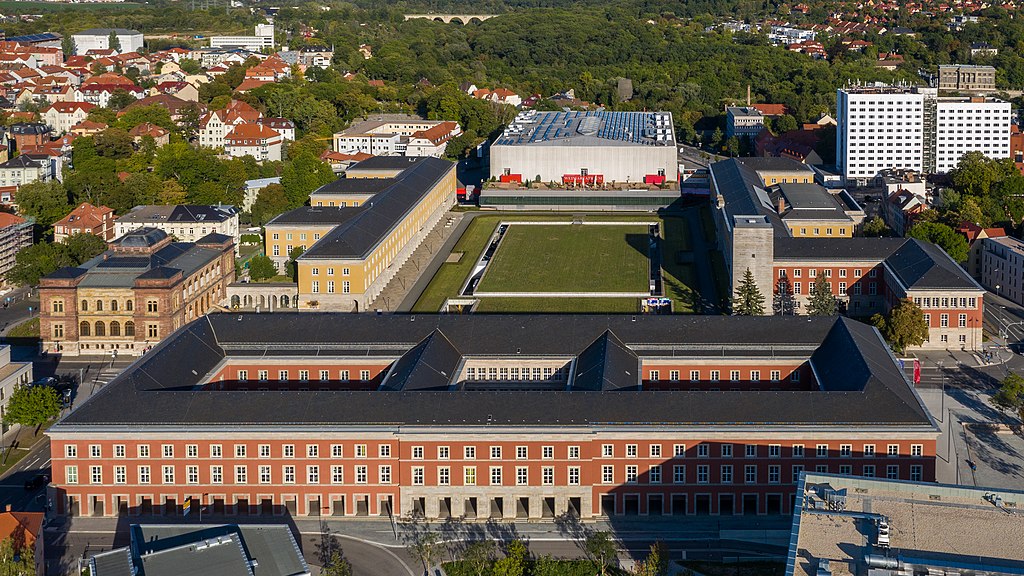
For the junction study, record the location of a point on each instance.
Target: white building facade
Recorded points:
(896, 127)
(99, 39)
(1002, 267)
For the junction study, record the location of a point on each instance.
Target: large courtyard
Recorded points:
(544, 254)
(559, 259)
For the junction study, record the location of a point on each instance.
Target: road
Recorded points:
(18, 303)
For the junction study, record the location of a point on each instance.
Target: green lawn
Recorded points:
(569, 258)
(559, 305)
(27, 329)
(677, 264)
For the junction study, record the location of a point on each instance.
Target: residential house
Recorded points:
(900, 209)
(29, 135)
(161, 136)
(180, 89)
(99, 94)
(86, 219)
(214, 126)
(174, 105)
(976, 235)
(62, 116)
(88, 128)
(25, 529)
(22, 170)
(187, 223)
(256, 140)
(283, 126)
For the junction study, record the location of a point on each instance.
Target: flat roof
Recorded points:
(962, 529)
(600, 128)
(859, 381)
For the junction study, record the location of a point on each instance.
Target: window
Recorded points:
(168, 450)
(655, 375)
(360, 474)
(384, 451)
(755, 375)
(679, 474)
(798, 450)
(631, 473)
(495, 476)
(58, 305)
(239, 450)
(417, 452)
(916, 450)
(607, 450)
(469, 475)
(734, 375)
(869, 471)
(58, 331)
(715, 375)
(264, 450)
(288, 451)
(241, 474)
(120, 475)
(750, 451)
(495, 452)
(443, 453)
(313, 474)
(630, 450)
(364, 375)
(151, 306)
(152, 331)
(315, 286)
(774, 450)
(893, 450)
(726, 450)
(243, 375)
(702, 450)
(726, 474)
(775, 375)
(822, 450)
(96, 475)
(869, 450)
(679, 450)
(469, 453)
(843, 469)
(774, 474)
(325, 375)
(94, 451)
(574, 476)
(360, 450)
(694, 375)
(288, 472)
(70, 451)
(143, 450)
(119, 451)
(655, 450)
(443, 476)
(673, 375)
(702, 474)
(168, 474)
(846, 450)
(522, 476)
(607, 474)
(144, 476)
(915, 473)
(750, 474)
(417, 475)
(337, 474)
(892, 472)
(521, 453)
(574, 452)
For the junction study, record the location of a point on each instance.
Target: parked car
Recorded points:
(37, 481)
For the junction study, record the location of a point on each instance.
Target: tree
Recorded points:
(33, 262)
(304, 174)
(427, 548)
(478, 556)
(113, 42)
(732, 145)
(114, 143)
(903, 326)
(47, 202)
(945, 237)
(190, 115)
(783, 302)
(17, 558)
(602, 550)
(822, 302)
(261, 267)
(270, 202)
(293, 265)
(32, 406)
(876, 228)
(172, 193)
(83, 246)
(748, 301)
(514, 561)
(337, 565)
(716, 139)
(1010, 396)
(120, 98)
(656, 563)
(785, 123)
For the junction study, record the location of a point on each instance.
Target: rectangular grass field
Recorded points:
(574, 258)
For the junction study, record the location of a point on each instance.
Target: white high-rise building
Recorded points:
(884, 127)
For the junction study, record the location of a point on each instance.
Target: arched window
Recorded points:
(99, 307)
(115, 328)
(101, 329)
(284, 301)
(113, 305)
(85, 306)
(58, 305)
(83, 329)
(129, 327)
(128, 305)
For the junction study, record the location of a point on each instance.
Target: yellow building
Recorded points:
(352, 251)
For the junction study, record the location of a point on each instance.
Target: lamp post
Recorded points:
(942, 410)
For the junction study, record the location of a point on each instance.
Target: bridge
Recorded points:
(449, 18)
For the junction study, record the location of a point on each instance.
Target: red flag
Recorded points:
(917, 371)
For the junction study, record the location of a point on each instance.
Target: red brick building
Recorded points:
(491, 417)
(87, 219)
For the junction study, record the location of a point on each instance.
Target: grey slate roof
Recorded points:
(23, 161)
(860, 382)
(607, 364)
(388, 162)
(836, 249)
(358, 235)
(183, 213)
(116, 562)
(355, 186)
(120, 270)
(809, 201)
(924, 265)
(316, 215)
(430, 365)
(744, 193)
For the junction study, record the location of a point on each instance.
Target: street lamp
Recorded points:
(942, 410)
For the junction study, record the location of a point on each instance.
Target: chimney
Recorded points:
(782, 204)
(7, 508)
